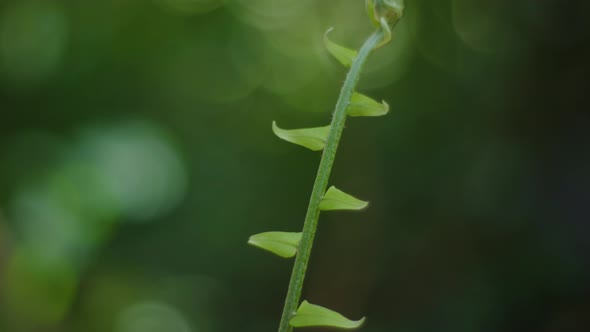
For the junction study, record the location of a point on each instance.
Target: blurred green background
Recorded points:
(136, 158)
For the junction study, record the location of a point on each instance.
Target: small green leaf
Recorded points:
(344, 55)
(361, 105)
(336, 199)
(311, 138)
(283, 244)
(314, 315)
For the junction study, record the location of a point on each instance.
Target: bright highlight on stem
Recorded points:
(384, 14)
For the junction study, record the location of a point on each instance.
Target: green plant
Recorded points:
(384, 14)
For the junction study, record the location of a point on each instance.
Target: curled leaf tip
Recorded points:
(386, 33)
(394, 9)
(283, 244)
(336, 199)
(309, 315)
(343, 54)
(385, 14)
(361, 105)
(311, 138)
(391, 10)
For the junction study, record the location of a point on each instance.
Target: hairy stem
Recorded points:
(321, 181)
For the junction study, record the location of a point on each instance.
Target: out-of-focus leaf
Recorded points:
(283, 244)
(343, 54)
(311, 138)
(361, 105)
(336, 199)
(314, 315)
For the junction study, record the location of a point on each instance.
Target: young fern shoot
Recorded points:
(384, 14)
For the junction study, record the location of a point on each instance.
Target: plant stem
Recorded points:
(321, 181)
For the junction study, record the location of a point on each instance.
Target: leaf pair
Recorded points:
(309, 315)
(285, 244)
(315, 138)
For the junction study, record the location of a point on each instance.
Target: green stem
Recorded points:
(321, 181)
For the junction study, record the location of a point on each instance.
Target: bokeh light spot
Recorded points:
(271, 14)
(434, 35)
(37, 292)
(480, 25)
(138, 166)
(200, 68)
(152, 317)
(45, 223)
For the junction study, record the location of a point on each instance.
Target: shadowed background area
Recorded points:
(137, 157)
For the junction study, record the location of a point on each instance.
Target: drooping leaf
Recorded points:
(311, 138)
(343, 54)
(336, 199)
(314, 315)
(361, 105)
(283, 244)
